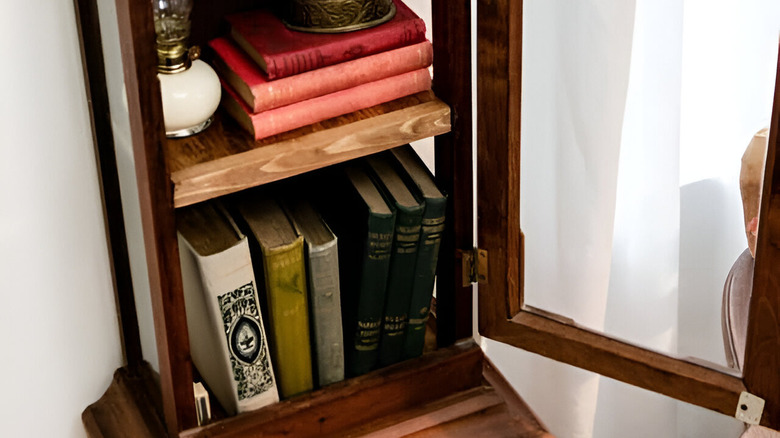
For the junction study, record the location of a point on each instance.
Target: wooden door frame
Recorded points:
(502, 314)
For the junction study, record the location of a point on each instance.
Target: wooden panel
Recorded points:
(351, 403)
(128, 409)
(454, 163)
(676, 378)
(103, 138)
(224, 159)
(430, 415)
(498, 158)
(494, 422)
(155, 193)
(762, 353)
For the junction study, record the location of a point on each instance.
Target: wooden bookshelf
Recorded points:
(225, 159)
(447, 387)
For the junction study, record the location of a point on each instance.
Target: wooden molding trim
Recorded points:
(103, 138)
(628, 363)
(155, 193)
(351, 403)
(454, 164)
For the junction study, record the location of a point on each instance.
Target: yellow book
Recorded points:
(278, 257)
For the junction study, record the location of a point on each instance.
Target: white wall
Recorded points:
(58, 327)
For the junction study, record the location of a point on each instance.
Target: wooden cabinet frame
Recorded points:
(502, 314)
(157, 197)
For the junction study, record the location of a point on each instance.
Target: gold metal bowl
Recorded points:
(335, 16)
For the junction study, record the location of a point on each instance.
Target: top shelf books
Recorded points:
(227, 158)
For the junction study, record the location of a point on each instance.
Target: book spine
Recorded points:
(314, 83)
(286, 118)
(241, 379)
(372, 291)
(386, 37)
(326, 312)
(285, 281)
(399, 285)
(424, 277)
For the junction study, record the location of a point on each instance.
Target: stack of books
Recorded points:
(276, 79)
(317, 279)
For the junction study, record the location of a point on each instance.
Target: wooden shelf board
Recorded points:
(353, 402)
(225, 159)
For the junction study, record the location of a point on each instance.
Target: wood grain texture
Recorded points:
(223, 161)
(103, 138)
(155, 192)
(762, 352)
(498, 164)
(346, 405)
(429, 415)
(637, 366)
(493, 422)
(129, 408)
(451, 28)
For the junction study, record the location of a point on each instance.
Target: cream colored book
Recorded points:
(227, 335)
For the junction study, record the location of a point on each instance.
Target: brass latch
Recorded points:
(475, 266)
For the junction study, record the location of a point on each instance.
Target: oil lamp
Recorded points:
(190, 88)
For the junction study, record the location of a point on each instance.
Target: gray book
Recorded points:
(322, 266)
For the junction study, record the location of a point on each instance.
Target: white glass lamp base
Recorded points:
(189, 99)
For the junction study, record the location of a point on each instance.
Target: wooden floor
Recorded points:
(487, 407)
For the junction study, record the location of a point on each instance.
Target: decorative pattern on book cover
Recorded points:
(279, 262)
(363, 221)
(322, 262)
(418, 177)
(282, 52)
(253, 86)
(274, 121)
(409, 211)
(227, 335)
(246, 341)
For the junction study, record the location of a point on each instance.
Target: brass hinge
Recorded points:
(475, 266)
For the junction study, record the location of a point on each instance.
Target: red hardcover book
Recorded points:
(249, 82)
(282, 52)
(286, 118)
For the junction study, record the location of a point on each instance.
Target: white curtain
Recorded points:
(635, 113)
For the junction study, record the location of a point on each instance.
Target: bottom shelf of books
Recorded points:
(302, 283)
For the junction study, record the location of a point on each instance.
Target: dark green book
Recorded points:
(363, 222)
(403, 259)
(418, 177)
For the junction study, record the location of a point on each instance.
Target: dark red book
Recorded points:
(282, 52)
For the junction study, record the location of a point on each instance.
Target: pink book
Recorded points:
(282, 52)
(286, 118)
(249, 82)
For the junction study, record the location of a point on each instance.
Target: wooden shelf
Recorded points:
(225, 159)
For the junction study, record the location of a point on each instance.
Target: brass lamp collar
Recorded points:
(176, 57)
